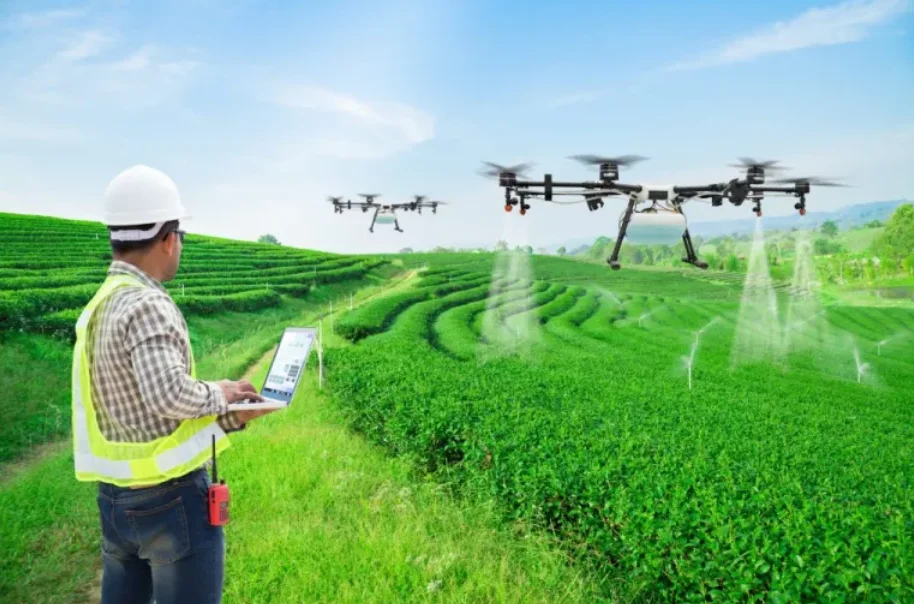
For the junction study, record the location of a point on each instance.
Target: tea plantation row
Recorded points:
(784, 481)
(50, 268)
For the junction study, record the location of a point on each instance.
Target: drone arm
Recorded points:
(712, 188)
(798, 189)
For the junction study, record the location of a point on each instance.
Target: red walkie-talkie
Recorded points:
(218, 496)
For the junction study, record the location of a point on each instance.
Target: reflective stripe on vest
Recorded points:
(126, 463)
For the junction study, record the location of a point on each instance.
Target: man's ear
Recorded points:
(168, 244)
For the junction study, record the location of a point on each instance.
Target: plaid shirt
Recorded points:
(139, 355)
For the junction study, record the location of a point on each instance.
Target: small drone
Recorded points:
(384, 213)
(662, 204)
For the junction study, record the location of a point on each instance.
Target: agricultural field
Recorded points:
(613, 408)
(50, 268)
(679, 435)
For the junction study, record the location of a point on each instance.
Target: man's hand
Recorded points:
(246, 416)
(243, 391)
(239, 391)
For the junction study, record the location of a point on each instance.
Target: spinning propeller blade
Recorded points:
(811, 180)
(496, 169)
(747, 163)
(596, 160)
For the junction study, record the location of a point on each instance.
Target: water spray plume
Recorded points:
(804, 307)
(689, 361)
(643, 317)
(888, 340)
(758, 329)
(861, 367)
(513, 268)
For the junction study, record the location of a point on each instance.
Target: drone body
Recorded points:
(384, 213)
(650, 205)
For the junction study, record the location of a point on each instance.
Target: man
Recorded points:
(143, 425)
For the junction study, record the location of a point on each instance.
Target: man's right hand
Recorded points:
(239, 391)
(243, 391)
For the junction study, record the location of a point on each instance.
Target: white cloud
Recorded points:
(135, 79)
(365, 130)
(20, 131)
(45, 18)
(847, 22)
(89, 44)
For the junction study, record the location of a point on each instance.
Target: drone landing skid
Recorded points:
(689, 258)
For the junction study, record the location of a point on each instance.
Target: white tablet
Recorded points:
(285, 371)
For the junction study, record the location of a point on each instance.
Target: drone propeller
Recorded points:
(811, 180)
(748, 163)
(333, 199)
(496, 169)
(369, 196)
(596, 160)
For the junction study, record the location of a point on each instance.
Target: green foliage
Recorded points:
(829, 229)
(824, 247)
(898, 238)
(562, 251)
(268, 239)
(42, 290)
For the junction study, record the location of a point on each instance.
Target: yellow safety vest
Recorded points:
(129, 464)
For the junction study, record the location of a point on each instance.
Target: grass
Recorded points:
(36, 384)
(318, 515)
(321, 516)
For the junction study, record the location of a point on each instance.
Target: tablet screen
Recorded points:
(288, 364)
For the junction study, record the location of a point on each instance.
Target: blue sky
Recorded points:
(261, 110)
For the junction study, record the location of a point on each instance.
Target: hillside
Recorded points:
(847, 218)
(675, 434)
(50, 268)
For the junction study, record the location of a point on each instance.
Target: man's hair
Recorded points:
(124, 247)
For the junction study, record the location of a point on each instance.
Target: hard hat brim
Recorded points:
(131, 221)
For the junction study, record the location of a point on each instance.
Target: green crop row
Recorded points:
(62, 323)
(376, 316)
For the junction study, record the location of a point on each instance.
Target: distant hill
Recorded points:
(846, 217)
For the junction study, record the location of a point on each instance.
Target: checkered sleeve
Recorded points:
(229, 422)
(157, 347)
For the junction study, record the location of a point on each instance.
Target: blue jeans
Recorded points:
(157, 543)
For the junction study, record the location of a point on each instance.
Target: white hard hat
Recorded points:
(142, 195)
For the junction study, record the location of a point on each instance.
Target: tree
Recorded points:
(732, 263)
(562, 251)
(829, 228)
(898, 238)
(268, 239)
(406, 250)
(501, 246)
(874, 224)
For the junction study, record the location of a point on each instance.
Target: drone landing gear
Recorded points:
(614, 257)
(690, 257)
(373, 219)
(397, 226)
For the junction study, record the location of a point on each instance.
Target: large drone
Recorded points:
(384, 213)
(652, 205)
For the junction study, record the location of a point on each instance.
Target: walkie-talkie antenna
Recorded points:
(215, 470)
